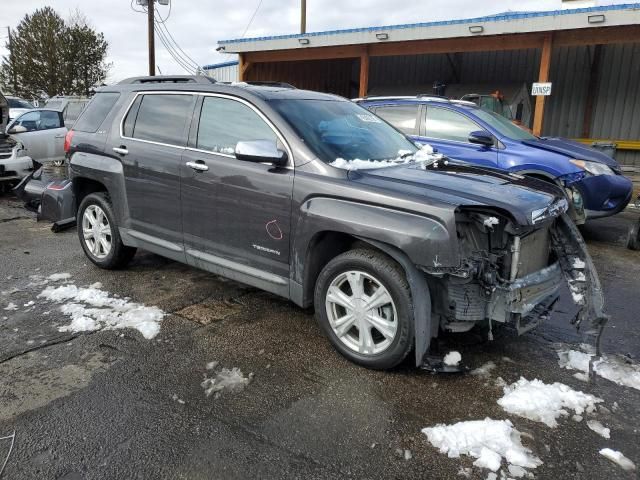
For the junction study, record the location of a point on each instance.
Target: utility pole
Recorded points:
(152, 46)
(13, 65)
(303, 17)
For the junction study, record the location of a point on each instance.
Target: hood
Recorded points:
(572, 149)
(465, 185)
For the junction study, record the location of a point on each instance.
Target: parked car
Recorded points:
(17, 106)
(312, 198)
(14, 163)
(463, 131)
(71, 107)
(42, 132)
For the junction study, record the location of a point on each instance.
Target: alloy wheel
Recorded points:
(96, 231)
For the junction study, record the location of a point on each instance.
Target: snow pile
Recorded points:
(600, 429)
(618, 458)
(488, 441)
(231, 380)
(613, 369)
(404, 156)
(94, 309)
(452, 359)
(545, 403)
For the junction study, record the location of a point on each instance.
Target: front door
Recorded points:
(153, 139)
(448, 132)
(44, 138)
(236, 213)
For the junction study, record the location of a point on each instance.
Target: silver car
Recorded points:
(42, 133)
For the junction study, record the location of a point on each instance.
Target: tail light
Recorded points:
(67, 141)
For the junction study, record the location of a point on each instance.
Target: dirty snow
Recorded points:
(545, 403)
(613, 369)
(600, 429)
(484, 370)
(488, 441)
(577, 263)
(618, 458)
(56, 277)
(11, 306)
(227, 379)
(94, 309)
(452, 358)
(424, 154)
(490, 222)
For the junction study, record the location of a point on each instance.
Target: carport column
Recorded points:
(543, 76)
(364, 73)
(243, 67)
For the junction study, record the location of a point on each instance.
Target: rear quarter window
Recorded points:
(96, 111)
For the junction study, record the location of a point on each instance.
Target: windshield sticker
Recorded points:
(368, 118)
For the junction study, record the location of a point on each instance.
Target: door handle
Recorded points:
(122, 150)
(198, 165)
(59, 136)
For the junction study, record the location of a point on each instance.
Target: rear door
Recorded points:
(150, 146)
(236, 213)
(448, 131)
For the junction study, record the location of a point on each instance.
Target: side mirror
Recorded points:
(261, 151)
(481, 137)
(16, 129)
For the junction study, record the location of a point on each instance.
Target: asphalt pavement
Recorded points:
(111, 404)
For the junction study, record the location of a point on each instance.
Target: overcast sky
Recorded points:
(197, 25)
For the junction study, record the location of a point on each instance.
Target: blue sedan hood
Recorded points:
(572, 150)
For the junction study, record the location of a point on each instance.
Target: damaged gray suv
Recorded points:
(313, 198)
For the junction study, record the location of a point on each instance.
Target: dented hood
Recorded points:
(465, 185)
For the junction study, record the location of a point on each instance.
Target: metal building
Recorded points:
(223, 72)
(591, 56)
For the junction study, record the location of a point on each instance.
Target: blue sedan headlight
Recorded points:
(594, 168)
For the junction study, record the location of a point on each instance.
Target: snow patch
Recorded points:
(577, 263)
(618, 458)
(11, 306)
(545, 403)
(94, 309)
(452, 359)
(613, 369)
(488, 441)
(600, 429)
(56, 277)
(490, 222)
(227, 379)
(422, 155)
(484, 370)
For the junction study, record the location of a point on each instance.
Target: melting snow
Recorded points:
(618, 458)
(577, 263)
(545, 403)
(452, 358)
(491, 221)
(59, 276)
(11, 306)
(612, 369)
(93, 309)
(600, 429)
(484, 370)
(424, 154)
(488, 441)
(231, 380)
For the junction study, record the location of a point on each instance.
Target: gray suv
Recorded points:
(315, 199)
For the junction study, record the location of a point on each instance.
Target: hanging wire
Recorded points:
(252, 17)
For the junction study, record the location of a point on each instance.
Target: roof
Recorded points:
(215, 66)
(502, 23)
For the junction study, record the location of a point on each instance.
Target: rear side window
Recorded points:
(403, 117)
(225, 122)
(95, 113)
(162, 118)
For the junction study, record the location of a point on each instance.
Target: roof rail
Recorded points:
(266, 83)
(168, 79)
(384, 97)
(431, 96)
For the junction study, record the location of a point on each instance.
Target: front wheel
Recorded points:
(363, 304)
(98, 233)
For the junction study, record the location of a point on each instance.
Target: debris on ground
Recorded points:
(226, 379)
(452, 359)
(611, 368)
(600, 429)
(93, 309)
(545, 403)
(619, 459)
(488, 441)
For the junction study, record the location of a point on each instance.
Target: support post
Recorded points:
(364, 73)
(543, 76)
(592, 90)
(151, 34)
(243, 68)
(303, 16)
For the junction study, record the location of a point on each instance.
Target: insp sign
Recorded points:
(541, 89)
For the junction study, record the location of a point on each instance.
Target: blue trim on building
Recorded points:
(215, 66)
(489, 18)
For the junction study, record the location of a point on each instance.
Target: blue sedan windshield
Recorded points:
(503, 126)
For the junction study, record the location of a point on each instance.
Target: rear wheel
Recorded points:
(363, 304)
(98, 233)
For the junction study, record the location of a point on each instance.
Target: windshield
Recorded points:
(18, 103)
(504, 126)
(340, 131)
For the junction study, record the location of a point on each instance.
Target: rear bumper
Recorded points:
(604, 195)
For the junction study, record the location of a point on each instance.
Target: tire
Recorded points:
(97, 206)
(58, 163)
(633, 240)
(368, 270)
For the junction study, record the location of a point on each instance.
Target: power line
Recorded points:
(184, 54)
(172, 49)
(176, 57)
(252, 17)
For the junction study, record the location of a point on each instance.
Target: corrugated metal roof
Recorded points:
(500, 17)
(215, 66)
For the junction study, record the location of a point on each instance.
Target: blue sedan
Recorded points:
(462, 131)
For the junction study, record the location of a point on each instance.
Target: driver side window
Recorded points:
(39, 120)
(30, 121)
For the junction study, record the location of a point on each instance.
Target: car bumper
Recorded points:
(604, 195)
(15, 168)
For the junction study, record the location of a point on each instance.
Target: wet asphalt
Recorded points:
(104, 405)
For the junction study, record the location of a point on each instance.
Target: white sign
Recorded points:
(541, 89)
